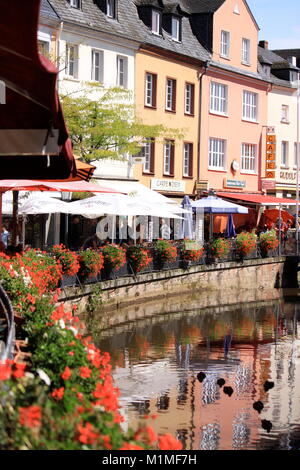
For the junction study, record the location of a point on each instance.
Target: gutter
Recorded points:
(200, 76)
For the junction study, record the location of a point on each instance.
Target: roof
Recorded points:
(46, 10)
(201, 6)
(130, 26)
(266, 56)
(257, 199)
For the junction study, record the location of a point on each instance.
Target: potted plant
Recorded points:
(91, 262)
(164, 252)
(138, 257)
(114, 257)
(191, 251)
(68, 260)
(268, 241)
(219, 248)
(245, 243)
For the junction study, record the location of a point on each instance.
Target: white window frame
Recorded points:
(122, 74)
(167, 156)
(248, 158)
(285, 113)
(97, 69)
(218, 98)
(146, 152)
(250, 106)
(170, 82)
(188, 98)
(44, 44)
(155, 22)
(149, 89)
(75, 4)
(111, 8)
(216, 154)
(284, 158)
(225, 44)
(175, 28)
(295, 154)
(187, 146)
(72, 63)
(246, 51)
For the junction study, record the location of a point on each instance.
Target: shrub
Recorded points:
(191, 251)
(114, 256)
(91, 262)
(268, 240)
(164, 251)
(245, 243)
(138, 257)
(220, 247)
(68, 260)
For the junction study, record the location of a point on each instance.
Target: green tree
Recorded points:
(107, 127)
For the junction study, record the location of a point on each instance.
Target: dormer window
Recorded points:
(156, 22)
(267, 69)
(111, 8)
(75, 3)
(175, 28)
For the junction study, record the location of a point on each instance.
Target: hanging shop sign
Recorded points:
(202, 185)
(268, 184)
(237, 184)
(270, 153)
(168, 185)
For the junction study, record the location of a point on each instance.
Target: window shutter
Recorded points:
(152, 156)
(174, 95)
(172, 158)
(154, 91)
(191, 147)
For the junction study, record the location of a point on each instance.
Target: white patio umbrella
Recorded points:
(43, 204)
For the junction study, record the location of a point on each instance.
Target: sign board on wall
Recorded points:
(268, 184)
(270, 153)
(237, 184)
(168, 185)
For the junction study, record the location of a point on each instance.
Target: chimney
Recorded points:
(264, 44)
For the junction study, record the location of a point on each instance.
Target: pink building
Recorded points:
(233, 100)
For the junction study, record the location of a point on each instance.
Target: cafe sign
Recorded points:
(237, 184)
(270, 153)
(168, 185)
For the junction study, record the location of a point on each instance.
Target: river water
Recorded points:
(156, 362)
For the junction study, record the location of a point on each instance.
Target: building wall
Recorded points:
(188, 125)
(233, 129)
(284, 131)
(240, 25)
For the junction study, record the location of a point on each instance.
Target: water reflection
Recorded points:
(155, 366)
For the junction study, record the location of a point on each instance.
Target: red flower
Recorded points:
(58, 393)
(168, 442)
(85, 372)
(66, 373)
(87, 434)
(19, 370)
(5, 370)
(30, 417)
(128, 446)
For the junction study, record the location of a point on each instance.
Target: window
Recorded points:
(218, 98)
(150, 90)
(250, 101)
(43, 48)
(75, 3)
(72, 61)
(188, 160)
(148, 154)
(175, 28)
(111, 8)
(295, 153)
(169, 157)
(97, 66)
(248, 158)
(284, 153)
(225, 43)
(170, 94)
(189, 98)
(246, 51)
(122, 68)
(156, 22)
(217, 154)
(284, 113)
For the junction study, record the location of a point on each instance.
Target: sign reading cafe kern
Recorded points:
(168, 185)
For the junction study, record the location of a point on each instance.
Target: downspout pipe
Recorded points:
(200, 77)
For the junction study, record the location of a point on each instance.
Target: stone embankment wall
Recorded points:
(217, 284)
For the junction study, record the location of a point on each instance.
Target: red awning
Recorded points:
(258, 199)
(34, 141)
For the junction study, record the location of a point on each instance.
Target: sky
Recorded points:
(279, 22)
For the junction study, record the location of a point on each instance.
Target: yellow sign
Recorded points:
(270, 174)
(270, 166)
(271, 148)
(271, 157)
(271, 138)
